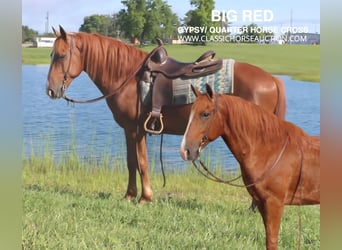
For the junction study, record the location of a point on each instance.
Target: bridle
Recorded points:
(205, 139)
(67, 75)
(208, 174)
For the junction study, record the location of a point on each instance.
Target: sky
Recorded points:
(70, 13)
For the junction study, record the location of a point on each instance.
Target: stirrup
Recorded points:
(151, 131)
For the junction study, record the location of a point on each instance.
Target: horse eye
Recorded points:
(205, 115)
(60, 57)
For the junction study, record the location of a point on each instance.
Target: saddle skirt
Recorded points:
(222, 81)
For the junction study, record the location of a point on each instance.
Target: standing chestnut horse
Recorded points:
(280, 163)
(115, 69)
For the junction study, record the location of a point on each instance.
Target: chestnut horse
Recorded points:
(280, 163)
(113, 66)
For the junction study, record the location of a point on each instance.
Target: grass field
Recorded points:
(302, 62)
(75, 205)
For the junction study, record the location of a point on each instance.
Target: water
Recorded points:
(90, 129)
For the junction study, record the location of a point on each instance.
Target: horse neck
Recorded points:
(245, 128)
(109, 62)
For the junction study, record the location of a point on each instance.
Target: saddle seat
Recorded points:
(171, 68)
(159, 69)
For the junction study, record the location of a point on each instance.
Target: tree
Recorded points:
(102, 24)
(27, 34)
(160, 21)
(132, 18)
(201, 17)
(147, 19)
(169, 22)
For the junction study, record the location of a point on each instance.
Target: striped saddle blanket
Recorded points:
(221, 82)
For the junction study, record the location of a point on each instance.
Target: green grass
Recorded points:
(35, 55)
(70, 204)
(302, 62)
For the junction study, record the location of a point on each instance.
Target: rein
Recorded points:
(208, 174)
(68, 99)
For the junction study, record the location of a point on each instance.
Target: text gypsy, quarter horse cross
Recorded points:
(280, 163)
(116, 69)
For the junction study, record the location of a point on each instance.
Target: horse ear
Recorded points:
(63, 33)
(195, 90)
(210, 91)
(57, 33)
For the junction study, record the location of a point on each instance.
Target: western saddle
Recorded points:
(159, 70)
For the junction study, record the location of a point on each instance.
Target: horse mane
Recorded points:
(107, 59)
(250, 119)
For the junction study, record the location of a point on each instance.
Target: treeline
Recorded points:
(142, 21)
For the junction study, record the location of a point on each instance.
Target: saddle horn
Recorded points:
(159, 41)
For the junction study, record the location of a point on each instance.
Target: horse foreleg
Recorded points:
(131, 192)
(142, 160)
(137, 159)
(271, 211)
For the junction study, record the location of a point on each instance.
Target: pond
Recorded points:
(90, 130)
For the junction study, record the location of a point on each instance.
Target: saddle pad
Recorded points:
(221, 82)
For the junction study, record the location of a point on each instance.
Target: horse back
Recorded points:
(245, 72)
(256, 85)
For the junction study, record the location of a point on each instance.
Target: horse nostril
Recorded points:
(51, 93)
(187, 153)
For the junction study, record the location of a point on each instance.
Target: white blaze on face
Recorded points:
(183, 144)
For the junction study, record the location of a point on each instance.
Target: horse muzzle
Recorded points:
(55, 93)
(192, 151)
(188, 154)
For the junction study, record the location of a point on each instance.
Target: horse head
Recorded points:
(65, 64)
(203, 126)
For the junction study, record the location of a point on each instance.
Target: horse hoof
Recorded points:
(143, 201)
(129, 198)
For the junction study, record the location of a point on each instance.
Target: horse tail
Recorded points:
(280, 109)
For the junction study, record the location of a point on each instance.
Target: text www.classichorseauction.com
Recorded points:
(261, 34)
